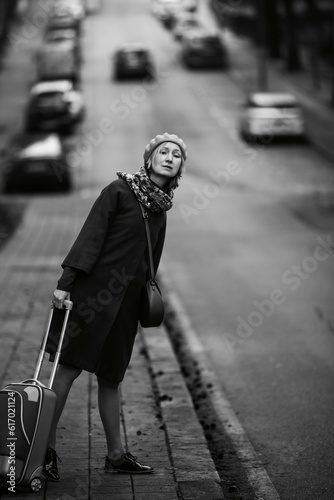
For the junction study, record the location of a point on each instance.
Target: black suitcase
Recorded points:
(26, 414)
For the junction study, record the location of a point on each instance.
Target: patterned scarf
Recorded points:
(147, 192)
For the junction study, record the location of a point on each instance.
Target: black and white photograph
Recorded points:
(167, 249)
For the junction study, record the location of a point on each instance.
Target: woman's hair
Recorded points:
(174, 182)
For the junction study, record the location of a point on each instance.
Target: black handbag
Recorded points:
(152, 307)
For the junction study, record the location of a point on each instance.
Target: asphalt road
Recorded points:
(249, 244)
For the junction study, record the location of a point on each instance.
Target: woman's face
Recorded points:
(166, 163)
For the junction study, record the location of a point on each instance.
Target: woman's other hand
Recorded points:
(58, 298)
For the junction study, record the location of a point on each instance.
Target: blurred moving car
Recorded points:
(54, 106)
(133, 60)
(273, 115)
(184, 23)
(37, 161)
(202, 48)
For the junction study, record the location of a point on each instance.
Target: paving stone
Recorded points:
(200, 490)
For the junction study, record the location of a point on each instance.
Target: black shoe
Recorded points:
(50, 468)
(127, 464)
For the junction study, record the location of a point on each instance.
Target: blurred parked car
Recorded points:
(37, 161)
(58, 60)
(63, 20)
(73, 8)
(59, 35)
(168, 10)
(132, 60)
(184, 23)
(54, 106)
(160, 7)
(273, 115)
(202, 48)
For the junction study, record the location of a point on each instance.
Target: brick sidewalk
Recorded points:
(159, 423)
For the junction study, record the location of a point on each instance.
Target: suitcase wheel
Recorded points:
(36, 484)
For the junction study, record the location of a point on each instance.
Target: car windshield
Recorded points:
(33, 165)
(57, 35)
(207, 42)
(62, 21)
(37, 146)
(280, 105)
(188, 23)
(135, 55)
(271, 101)
(50, 99)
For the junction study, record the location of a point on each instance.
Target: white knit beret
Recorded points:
(159, 139)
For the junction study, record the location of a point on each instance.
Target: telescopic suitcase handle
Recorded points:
(68, 306)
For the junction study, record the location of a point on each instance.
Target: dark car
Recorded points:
(132, 60)
(64, 20)
(203, 49)
(58, 61)
(57, 36)
(54, 106)
(35, 161)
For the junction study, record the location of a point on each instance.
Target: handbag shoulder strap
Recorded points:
(149, 244)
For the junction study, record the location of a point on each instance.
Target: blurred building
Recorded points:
(302, 26)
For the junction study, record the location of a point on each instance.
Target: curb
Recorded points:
(193, 468)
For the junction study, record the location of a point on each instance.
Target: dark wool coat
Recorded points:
(109, 254)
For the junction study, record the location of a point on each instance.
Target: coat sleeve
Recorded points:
(66, 280)
(86, 249)
(157, 251)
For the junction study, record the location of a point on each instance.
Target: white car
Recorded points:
(162, 8)
(54, 106)
(183, 23)
(36, 161)
(269, 114)
(74, 8)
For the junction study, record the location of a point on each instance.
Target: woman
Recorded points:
(104, 274)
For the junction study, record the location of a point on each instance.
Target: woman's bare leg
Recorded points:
(109, 407)
(64, 379)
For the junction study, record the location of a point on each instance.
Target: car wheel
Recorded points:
(29, 127)
(66, 185)
(8, 187)
(149, 75)
(246, 137)
(303, 139)
(67, 129)
(118, 75)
